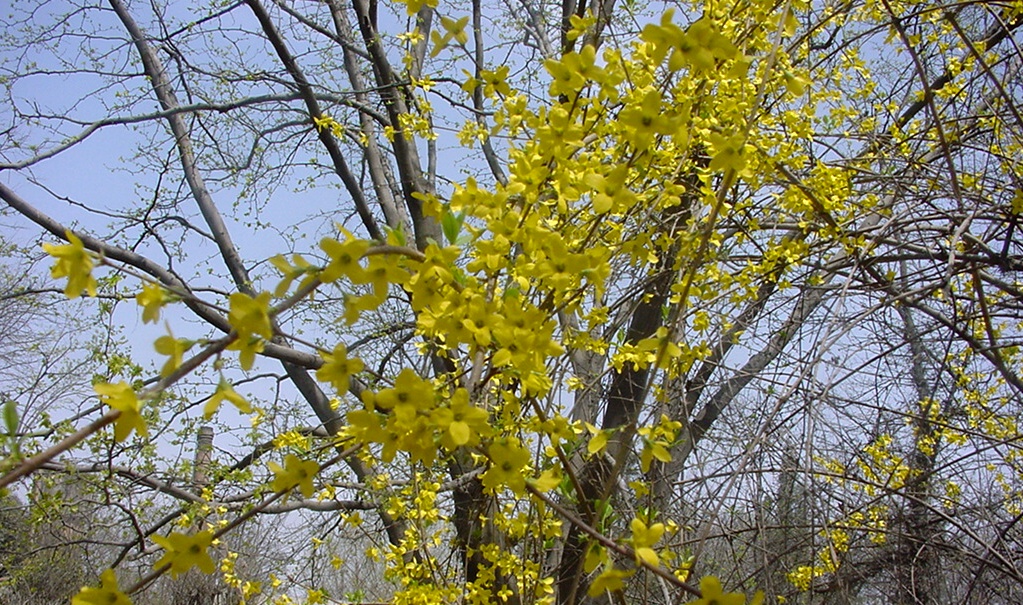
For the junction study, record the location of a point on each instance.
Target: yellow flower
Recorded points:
(410, 392)
(296, 472)
(250, 319)
(121, 397)
(414, 6)
(455, 29)
(508, 460)
(381, 271)
(183, 552)
(107, 594)
(703, 44)
(643, 540)
(367, 427)
(73, 262)
(611, 579)
(710, 586)
(573, 71)
(427, 290)
(226, 391)
(609, 193)
(356, 305)
(344, 259)
(728, 152)
(663, 37)
(495, 82)
(338, 369)
(175, 349)
(645, 120)
(417, 438)
(152, 298)
(291, 272)
(325, 122)
(461, 422)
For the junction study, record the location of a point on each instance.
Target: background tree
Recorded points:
(728, 290)
(44, 352)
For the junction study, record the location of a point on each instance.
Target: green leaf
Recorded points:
(451, 224)
(11, 417)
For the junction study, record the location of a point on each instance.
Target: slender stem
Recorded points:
(30, 465)
(159, 571)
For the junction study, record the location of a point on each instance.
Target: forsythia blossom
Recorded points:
(295, 472)
(74, 263)
(183, 552)
(122, 398)
(108, 592)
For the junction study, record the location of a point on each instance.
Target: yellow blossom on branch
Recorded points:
(729, 152)
(250, 319)
(410, 392)
(508, 460)
(662, 38)
(108, 592)
(645, 119)
(643, 540)
(175, 349)
(573, 70)
(381, 271)
(295, 472)
(611, 579)
(461, 423)
(414, 6)
(184, 551)
(356, 305)
(152, 298)
(703, 44)
(455, 30)
(75, 263)
(344, 259)
(325, 122)
(226, 391)
(290, 272)
(367, 426)
(713, 594)
(338, 368)
(495, 83)
(122, 398)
